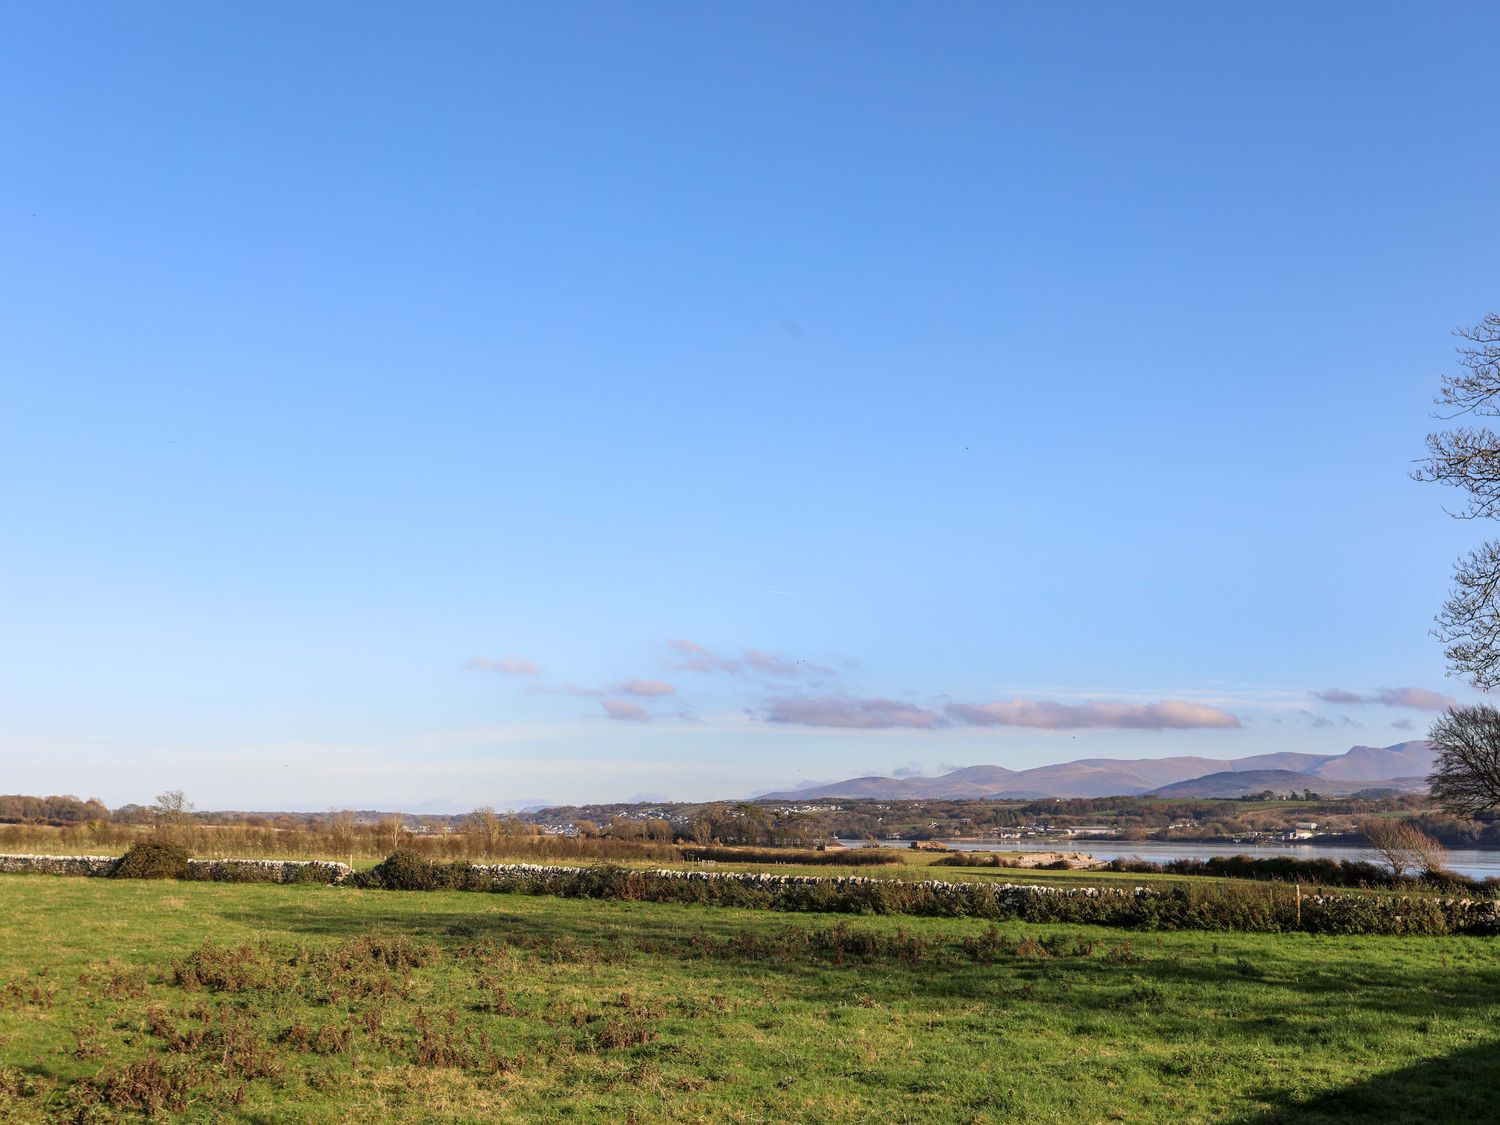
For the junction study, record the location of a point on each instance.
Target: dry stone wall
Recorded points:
(216, 870)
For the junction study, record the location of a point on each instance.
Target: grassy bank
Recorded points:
(266, 1003)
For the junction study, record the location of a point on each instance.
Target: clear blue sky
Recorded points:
(387, 387)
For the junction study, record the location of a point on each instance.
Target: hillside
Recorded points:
(1360, 767)
(1242, 783)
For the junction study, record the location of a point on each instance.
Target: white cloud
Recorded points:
(505, 665)
(844, 711)
(1419, 699)
(1047, 714)
(624, 710)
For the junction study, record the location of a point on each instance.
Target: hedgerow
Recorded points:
(1192, 906)
(805, 857)
(1188, 907)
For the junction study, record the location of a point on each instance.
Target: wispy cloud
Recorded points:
(1046, 714)
(872, 713)
(506, 665)
(752, 662)
(693, 657)
(1339, 695)
(769, 664)
(845, 711)
(624, 710)
(1403, 724)
(646, 688)
(1419, 699)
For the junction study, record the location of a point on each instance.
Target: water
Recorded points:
(1465, 861)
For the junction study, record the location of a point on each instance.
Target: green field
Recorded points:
(216, 1002)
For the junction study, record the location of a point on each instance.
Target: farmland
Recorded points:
(202, 1001)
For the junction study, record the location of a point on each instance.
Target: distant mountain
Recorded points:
(1239, 783)
(1366, 767)
(1242, 783)
(1401, 760)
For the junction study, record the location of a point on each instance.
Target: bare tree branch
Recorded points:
(1466, 777)
(1403, 845)
(1468, 458)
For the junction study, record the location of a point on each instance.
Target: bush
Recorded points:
(153, 859)
(970, 859)
(406, 870)
(403, 870)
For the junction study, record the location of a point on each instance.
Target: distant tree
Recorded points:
(1468, 458)
(483, 828)
(172, 808)
(390, 831)
(1403, 845)
(132, 814)
(1465, 779)
(753, 823)
(625, 828)
(342, 827)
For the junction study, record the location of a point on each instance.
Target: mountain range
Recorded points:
(1403, 766)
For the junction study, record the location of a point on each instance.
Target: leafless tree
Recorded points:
(1402, 845)
(172, 808)
(1465, 779)
(1468, 458)
(391, 831)
(483, 829)
(343, 824)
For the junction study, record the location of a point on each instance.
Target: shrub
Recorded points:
(970, 859)
(406, 870)
(403, 870)
(153, 859)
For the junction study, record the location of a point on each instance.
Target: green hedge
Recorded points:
(1264, 908)
(153, 859)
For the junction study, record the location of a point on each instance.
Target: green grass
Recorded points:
(416, 1007)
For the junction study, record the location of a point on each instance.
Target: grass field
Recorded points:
(256, 1003)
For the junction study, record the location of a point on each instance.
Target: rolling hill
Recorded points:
(1243, 783)
(1360, 767)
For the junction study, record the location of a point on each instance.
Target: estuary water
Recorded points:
(1473, 862)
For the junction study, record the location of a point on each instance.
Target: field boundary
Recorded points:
(1260, 907)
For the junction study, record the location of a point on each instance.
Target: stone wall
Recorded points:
(216, 870)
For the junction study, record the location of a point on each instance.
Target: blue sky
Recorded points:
(387, 390)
